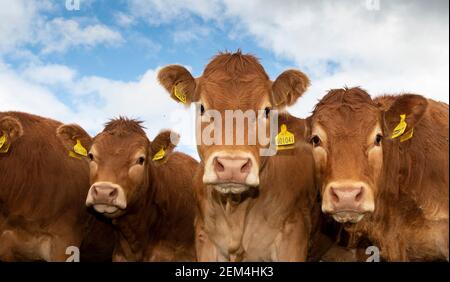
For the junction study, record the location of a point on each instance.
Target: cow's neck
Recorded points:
(225, 220)
(135, 226)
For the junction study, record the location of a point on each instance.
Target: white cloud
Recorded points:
(123, 19)
(49, 74)
(58, 35)
(16, 21)
(22, 22)
(18, 94)
(157, 12)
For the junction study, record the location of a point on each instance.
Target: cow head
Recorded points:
(233, 87)
(120, 158)
(349, 134)
(10, 130)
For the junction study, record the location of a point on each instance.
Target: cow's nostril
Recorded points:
(247, 166)
(334, 196)
(94, 191)
(113, 193)
(359, 195)
(218, 166)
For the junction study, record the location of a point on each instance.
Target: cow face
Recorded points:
(234, 98)
(349, 133)
(120, 160)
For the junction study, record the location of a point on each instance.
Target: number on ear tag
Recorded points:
(284, 139)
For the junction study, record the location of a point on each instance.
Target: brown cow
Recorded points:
(250, 207)
(149, 198)
(42, 192)
(388, 176)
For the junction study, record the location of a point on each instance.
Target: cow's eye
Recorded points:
(141, 160)
(91, 156)
(378, 139)
(315, 141)
(202, 109)
(267, 112)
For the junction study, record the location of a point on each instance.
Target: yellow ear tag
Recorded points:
(408, 135)
(78, 151)
(284, 138)
(74, 155)
(179, 94)
(2, 140)
(400, 128)
(3, 149)
(161, 153)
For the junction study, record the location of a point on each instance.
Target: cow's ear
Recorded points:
(179, 82)
(71, 135)
(163, 145)
(10, 130)
(288, 87)
(408, 107)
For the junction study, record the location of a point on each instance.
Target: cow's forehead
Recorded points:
(348, 120)
(120, 143)
(233, 81)
(234, 93)
(236, 65)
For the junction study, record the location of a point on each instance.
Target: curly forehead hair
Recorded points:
(125, 124)
(349, 97)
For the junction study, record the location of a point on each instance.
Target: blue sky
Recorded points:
(100, 61)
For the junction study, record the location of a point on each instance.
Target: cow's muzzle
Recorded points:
(106, 197)
(231, 172)
(347, 201)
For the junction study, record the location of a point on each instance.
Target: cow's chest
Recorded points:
(241, 235)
